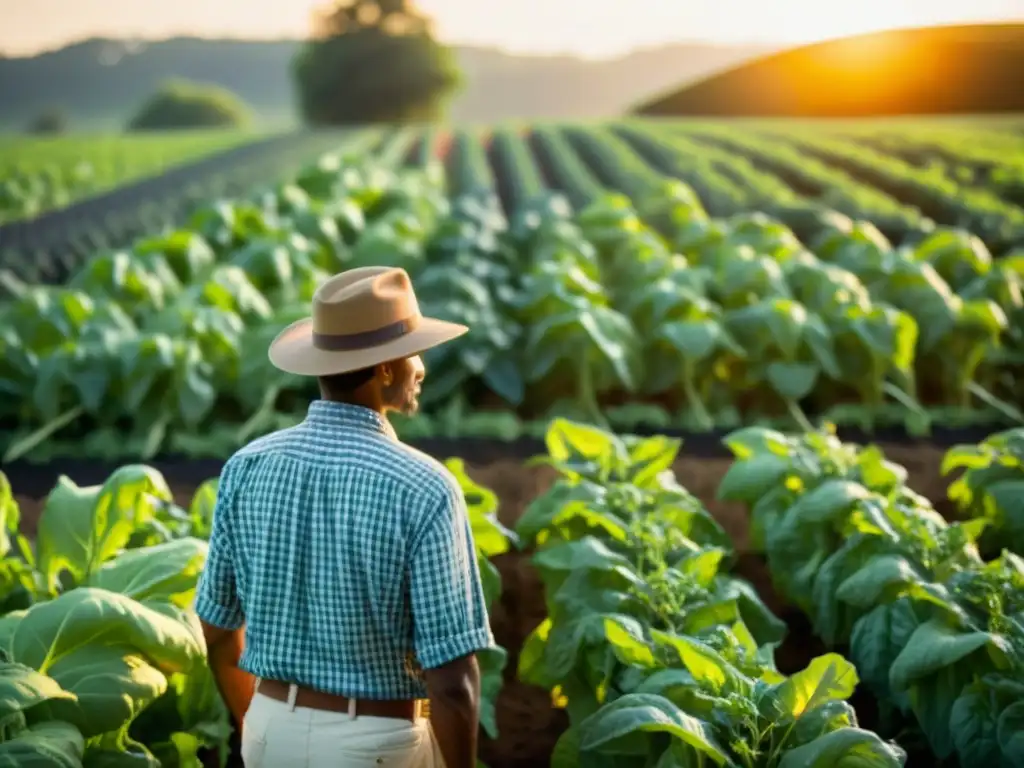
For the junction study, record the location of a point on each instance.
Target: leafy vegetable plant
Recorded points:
(935, 632)
(102, 660)
(659, 656)
(992, 487)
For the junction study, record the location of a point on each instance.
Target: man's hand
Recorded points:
(454, 691)
(224, 648)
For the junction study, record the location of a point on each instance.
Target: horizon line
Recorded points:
(512, 51)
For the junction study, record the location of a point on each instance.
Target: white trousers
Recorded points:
(277, 734)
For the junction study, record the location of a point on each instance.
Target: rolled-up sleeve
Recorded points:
(217, 600)
(449, 614)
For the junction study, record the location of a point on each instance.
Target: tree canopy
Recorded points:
(373, 61)
(180, 104)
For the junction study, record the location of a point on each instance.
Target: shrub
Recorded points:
(180, 104)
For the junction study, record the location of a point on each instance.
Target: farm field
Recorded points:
(641, 275)
(709, 280)
(39, 174)
(812, 564)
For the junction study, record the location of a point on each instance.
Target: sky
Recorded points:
(589, 28)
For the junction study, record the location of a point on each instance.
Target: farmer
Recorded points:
(345, 559)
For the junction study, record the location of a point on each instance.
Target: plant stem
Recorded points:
(31, 441)
(588, 397)
(694, 399)
(799, 417)
(994, 402)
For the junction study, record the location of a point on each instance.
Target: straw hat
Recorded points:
(361, 318)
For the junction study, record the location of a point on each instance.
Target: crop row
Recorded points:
(647, 632)
(944, 199)
(49, 247)
(38, 174)
(936, 632)
(972, 157)
(659, 656)
(101, 654)
(716, 320)
(733, 170)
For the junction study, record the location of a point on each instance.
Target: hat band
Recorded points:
(351, 342)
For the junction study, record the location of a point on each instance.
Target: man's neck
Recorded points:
(365, 402)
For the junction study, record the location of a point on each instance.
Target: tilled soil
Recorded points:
(528, 725)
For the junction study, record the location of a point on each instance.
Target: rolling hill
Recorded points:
(936, 70)
(99, 82)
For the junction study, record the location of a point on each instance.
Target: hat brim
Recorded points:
(292, 351)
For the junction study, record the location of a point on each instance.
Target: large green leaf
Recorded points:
(80, 528)
(827, 678)
(110, 651)
(934, 646)
(44, 745)
(608, 729)
(845, 748)
(22, 688)
(163, 573)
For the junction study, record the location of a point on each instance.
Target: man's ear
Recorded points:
(386, 374)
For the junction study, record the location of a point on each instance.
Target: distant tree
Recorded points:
(181, 104)
(373, 61)
(52, 120)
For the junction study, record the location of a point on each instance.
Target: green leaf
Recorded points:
(705, 664)
(748, 441)
(829, 502)
(827, 678)
(10, 515)
(626, 638)
(932, 647)
(1010, 733)
(875, 578)
(877, 640)
(750, 479)
(44, 745)
(845, 748)
(967, 456)
(492, 663)
(573, 555)
(163, 573)
(637, 713)
(649, 457)
(22, 688)
(616, 340)
(110, 651)
(80, 528)
(794, 381)
(973, 725)
(544, 509)
(566, 753)
(568, 440)
(694, 339)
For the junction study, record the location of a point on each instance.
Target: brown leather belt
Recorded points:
(407, 709)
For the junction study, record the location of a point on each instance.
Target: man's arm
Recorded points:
(220, 610)
(224, 649)
(454, 690)
(450, 624)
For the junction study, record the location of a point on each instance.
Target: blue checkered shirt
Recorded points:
(347, 555)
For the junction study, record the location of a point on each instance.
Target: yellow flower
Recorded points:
(794, 484)
(558, 699)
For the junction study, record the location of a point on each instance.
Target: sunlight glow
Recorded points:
(583, 27)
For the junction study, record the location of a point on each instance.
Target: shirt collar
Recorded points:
(327, 414)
